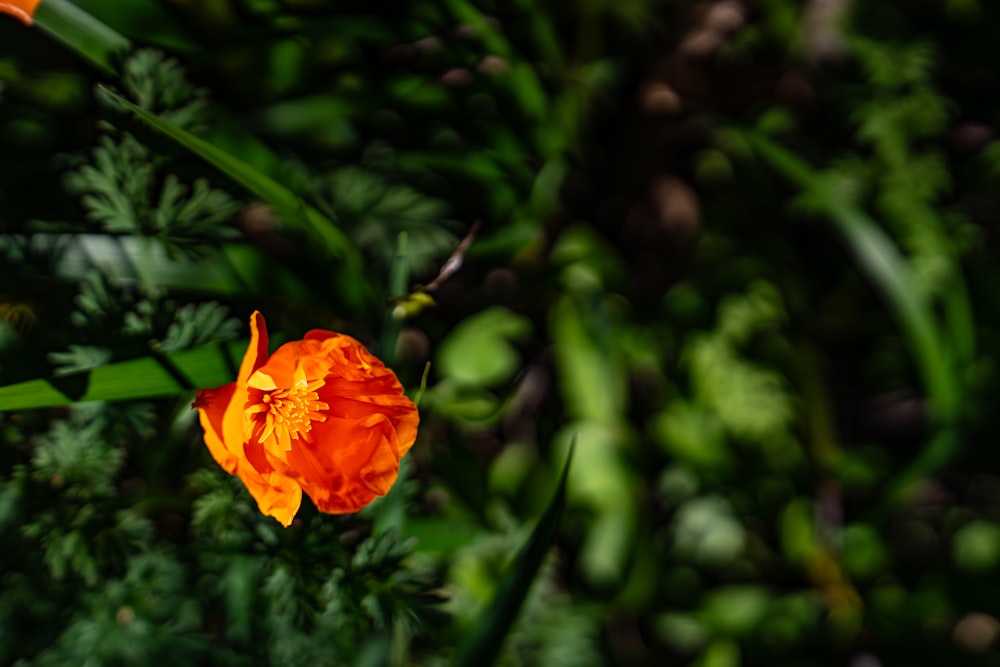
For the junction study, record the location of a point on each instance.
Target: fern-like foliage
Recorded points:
(377, 210)
(904, 110)
(127, 321)
(194, 325)
(122, 193)
(79, 358)
(158, 83)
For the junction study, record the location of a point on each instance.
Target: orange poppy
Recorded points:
(320, 415)
(21, 9)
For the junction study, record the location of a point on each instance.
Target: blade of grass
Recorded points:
(149, 21)
(82, 33)
(543, 33)
(882, 262)
(888, 269)
(482, 646)
(293, 209)
(283, 199)
(156, 375)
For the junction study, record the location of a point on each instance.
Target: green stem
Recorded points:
(398, 279)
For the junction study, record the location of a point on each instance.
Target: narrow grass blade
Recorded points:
(482, 646)
(936, 352)
(156, 375)
(83, 33)
(882, 262)
(265, 187)
(351, 285)
(149, 21)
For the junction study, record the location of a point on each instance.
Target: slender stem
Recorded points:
(399, 276)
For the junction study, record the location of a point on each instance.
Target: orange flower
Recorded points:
(320, 415)
(21, 9)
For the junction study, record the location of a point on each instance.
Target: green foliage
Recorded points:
(134, 597)
(159, 85)
(748, 400)
(479, 352)
(75, 455)
(79, 358)
(482, 646)
(121, 186)
(378, 211)
(740, 253)
(120, 191)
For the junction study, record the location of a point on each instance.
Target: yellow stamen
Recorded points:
(287, 414)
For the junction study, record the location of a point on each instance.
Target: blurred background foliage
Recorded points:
(741, 250)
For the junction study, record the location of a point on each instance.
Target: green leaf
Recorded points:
(196, 325)
(375, 652)
(159, 85)
(482, 646)
(462, 402)
(157, 375)
(590, 374)
(720, 653)
(478, 351)
(260, 184)
(736, 610)
(693, 435)
(441, 535)
(148, 20)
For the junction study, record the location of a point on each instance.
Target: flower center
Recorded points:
(286, 414)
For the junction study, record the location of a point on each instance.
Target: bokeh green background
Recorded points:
(743, 251)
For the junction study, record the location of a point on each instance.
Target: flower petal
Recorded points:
(320, 415)
(331, 490)
(348, 464)
(379, 473)
(276, 495)
(221, 418)
(257, 458)
(211, 405)
(382, 395)
(256, 354)
(223, 407)
(292, 363)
